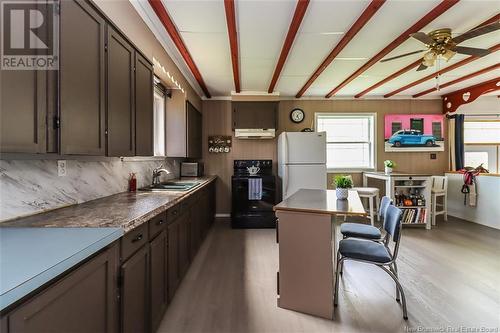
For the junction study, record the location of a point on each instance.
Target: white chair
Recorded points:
(439, 189)
(370, 193)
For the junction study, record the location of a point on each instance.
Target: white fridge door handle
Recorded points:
(285, 179)
(285, 152)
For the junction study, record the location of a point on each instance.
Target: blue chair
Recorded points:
(375, 253)
(359, 230)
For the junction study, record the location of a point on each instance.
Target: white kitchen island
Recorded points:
(306, 238)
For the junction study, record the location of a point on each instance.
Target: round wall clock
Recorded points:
(297, 115)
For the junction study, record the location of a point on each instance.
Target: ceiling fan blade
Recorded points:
(421, 67)
(471, 51)
(423, 37)
(402, 55)
(477, 32)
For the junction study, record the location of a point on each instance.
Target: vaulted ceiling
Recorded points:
(246, 43)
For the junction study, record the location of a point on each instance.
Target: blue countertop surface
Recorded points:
(30, 257)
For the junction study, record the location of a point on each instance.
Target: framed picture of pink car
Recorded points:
(413, 132)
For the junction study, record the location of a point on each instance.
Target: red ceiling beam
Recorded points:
(300, 11)
(442, 71)
(367, 14)
(414, 64)
(169, 25)
(453, 100)
(233, 41)
(429, 17)
(460, 79)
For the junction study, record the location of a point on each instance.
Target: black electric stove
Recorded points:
(248, 211)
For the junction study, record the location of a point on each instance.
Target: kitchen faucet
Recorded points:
(156, 174)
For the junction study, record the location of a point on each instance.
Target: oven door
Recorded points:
(240, 199)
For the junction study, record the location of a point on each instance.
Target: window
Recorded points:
(482, 144)
(159, 119)
(350, 140)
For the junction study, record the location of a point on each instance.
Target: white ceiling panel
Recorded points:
(197, 15)
(262, 27)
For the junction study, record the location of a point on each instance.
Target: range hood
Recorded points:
(255, 133)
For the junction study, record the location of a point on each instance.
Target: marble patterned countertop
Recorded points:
(126, 210)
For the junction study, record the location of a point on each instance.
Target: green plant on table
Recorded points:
(389, 163)
(342, 181)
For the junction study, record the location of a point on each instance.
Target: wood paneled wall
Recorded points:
(217, 121)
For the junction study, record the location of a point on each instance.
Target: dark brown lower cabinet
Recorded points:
(184, 248)
(82, 301)
(134, 292)
(173, 258)
(158, 278)
(104, 295)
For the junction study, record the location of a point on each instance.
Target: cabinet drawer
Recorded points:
(133, 240)
(157, 224)
(173, 213)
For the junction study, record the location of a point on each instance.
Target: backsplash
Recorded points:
(32, 186)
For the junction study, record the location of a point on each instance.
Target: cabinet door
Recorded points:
(120, 96)
(158, 279)
(22, 111)
(83, 301)
(184, 246)
(194, 132)
(134, 292)
(82, 83)
(254, 114)
(173, 258)
(195, 238)
(143, 106)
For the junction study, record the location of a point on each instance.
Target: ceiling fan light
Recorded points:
(428, 63)
(448, 54)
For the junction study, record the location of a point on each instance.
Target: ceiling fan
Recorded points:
(441, 43)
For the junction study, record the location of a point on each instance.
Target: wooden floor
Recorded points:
(451, 276)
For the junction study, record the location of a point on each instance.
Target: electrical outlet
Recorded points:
(61, 168)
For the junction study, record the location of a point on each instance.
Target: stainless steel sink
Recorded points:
(171, 186)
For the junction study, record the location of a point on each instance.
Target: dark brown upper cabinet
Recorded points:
(120, 95)
(82, 79)
(22, 111)
(254, 115)
(144, 88)
(184, 127)
(194, 131)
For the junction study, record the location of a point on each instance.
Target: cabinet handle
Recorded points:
(175, 212)
(277, 231)
(137, 238)
(160, 222)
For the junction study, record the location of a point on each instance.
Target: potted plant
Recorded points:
(389, 164)
(342, 184)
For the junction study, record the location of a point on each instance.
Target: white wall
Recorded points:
(487, 211)
(483, 105)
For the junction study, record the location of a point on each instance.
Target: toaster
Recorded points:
(191, 169)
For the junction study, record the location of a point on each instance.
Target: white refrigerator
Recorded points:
(301, 161)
